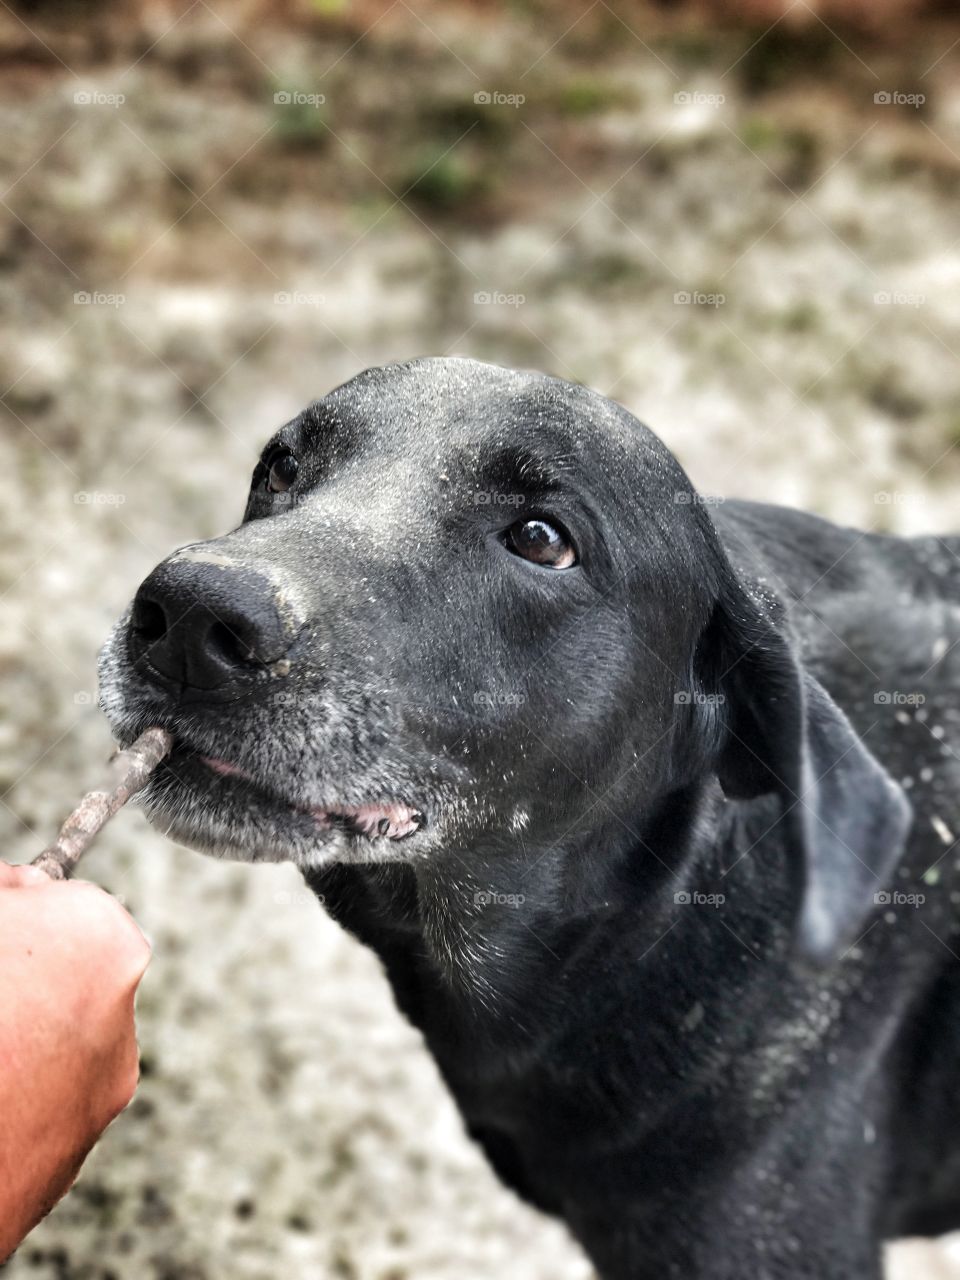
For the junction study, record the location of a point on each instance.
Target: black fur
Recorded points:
(679, 922)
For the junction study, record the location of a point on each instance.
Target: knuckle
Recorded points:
(109, 928)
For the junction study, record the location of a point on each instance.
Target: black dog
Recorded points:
(649, 806)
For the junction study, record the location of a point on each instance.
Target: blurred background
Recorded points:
(739, 219)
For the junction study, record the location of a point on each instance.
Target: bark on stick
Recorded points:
(129, 771)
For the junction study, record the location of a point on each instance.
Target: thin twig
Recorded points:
(129, 771)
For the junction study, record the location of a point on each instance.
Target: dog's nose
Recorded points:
(207, 625)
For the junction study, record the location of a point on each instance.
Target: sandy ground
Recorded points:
(769, 280)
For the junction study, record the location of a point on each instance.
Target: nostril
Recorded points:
(207, 629)
(149, 620)
(230, 645)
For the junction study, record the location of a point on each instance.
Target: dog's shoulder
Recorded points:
(852, 593)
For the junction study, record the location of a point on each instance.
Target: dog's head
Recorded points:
(463, 605)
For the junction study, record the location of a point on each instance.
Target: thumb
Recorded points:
(21, 877)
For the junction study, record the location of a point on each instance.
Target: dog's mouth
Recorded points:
(388, 821)
(219, 806)
(391, 820)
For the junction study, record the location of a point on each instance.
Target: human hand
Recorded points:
(71, 959)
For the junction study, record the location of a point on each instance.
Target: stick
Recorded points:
(129, 771)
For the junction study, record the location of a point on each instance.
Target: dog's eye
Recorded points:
(282, 468)
(541, 542)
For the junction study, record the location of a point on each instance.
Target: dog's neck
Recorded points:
(476, 906)
(482, 928)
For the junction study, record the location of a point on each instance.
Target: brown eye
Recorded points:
(282, 468)
(542, 543)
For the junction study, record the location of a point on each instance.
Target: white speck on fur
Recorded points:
(942, 830)
(520, 819)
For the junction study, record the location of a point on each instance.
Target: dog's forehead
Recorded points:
(436, 406)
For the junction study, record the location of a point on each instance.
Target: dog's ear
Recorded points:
(845, 819)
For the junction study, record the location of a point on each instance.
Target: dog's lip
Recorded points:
(390, 820)
(225, 768)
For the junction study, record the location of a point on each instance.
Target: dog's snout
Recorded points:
(206, 625)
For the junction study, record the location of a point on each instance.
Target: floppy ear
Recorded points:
(845, 818)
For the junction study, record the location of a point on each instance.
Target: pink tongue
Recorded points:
(388, 820)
